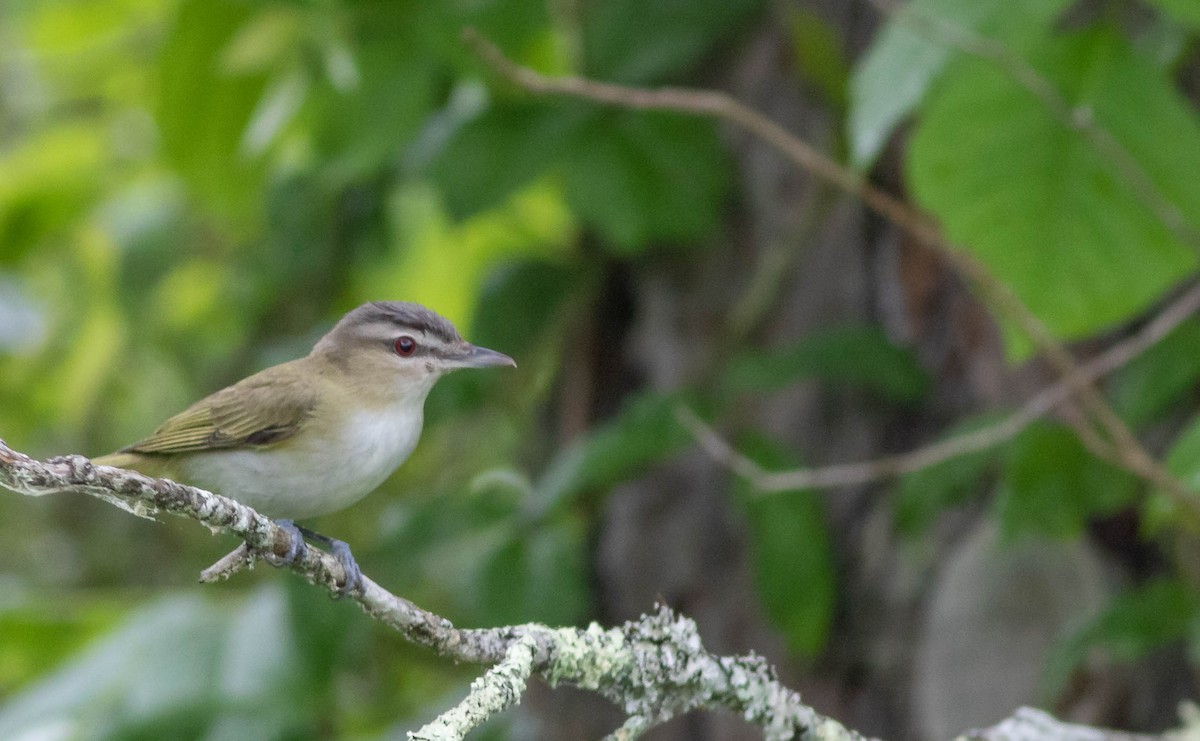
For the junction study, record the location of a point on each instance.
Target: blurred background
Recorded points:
(192, 190)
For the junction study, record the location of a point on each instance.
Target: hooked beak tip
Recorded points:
(481, 357)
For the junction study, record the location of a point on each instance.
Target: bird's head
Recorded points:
(402, 342)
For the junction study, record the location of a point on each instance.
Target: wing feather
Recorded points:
(262, 410)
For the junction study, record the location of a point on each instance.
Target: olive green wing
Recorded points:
(263, 410)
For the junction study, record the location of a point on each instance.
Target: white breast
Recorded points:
(313, 477)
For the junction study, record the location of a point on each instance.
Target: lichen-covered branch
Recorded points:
(654, 668)
(497, 690)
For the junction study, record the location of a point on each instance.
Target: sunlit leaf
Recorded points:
(46, 183)
(203, 109)
(1054, 218)
(909, 54)
(443, 264)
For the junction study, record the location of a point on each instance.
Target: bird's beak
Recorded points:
(481, 357)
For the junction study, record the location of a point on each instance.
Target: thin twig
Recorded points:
(1041, 404)
(1131, 454)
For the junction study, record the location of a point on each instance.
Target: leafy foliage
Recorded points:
(854, 356)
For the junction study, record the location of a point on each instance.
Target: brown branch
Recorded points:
(1130, 453)
(1041, 404)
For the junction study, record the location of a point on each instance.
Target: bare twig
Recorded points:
(851, 474)
(1130, 453)
(653, 667)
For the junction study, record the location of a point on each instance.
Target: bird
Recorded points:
(315, 435)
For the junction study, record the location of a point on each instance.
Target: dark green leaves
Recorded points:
(643, 432)
(1136, 623)
(923, 494)
(647, 177)
(854, 356)
(1154, 382)
(793, 559)
(632, 41)
(635, 178)
(1051, 485)
(1080, 243)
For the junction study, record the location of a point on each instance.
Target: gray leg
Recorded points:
(341, 551)
(297, 547)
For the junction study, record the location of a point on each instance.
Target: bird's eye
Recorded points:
(404, 346)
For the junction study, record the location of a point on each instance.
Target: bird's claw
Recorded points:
(353, 583)
(296, 545)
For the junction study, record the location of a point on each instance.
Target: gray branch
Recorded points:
(653, 668)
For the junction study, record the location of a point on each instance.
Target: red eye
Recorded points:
(404, 345)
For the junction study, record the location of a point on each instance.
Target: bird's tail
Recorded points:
(149, 465)
(119, 460)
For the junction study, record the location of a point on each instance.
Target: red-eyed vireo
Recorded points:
(316, 434)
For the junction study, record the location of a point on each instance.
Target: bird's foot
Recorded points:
(296, 546)
(353, 582)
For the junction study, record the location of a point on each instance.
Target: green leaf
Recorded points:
(1052, 484)
(47, 182)
(536, 576)
(1157, 380)
(143, 681)
(849, 355)
(643, 177)
(643, 432)
(793, 554)
(1184, 11)
(203, 110)
(498, 152)
(365, 126)
(1034, 200)
(1136, 623)
(1183, 462)
(518, 303)
(923, 494)
(893, 77)
(638, 42)
(819, 55)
